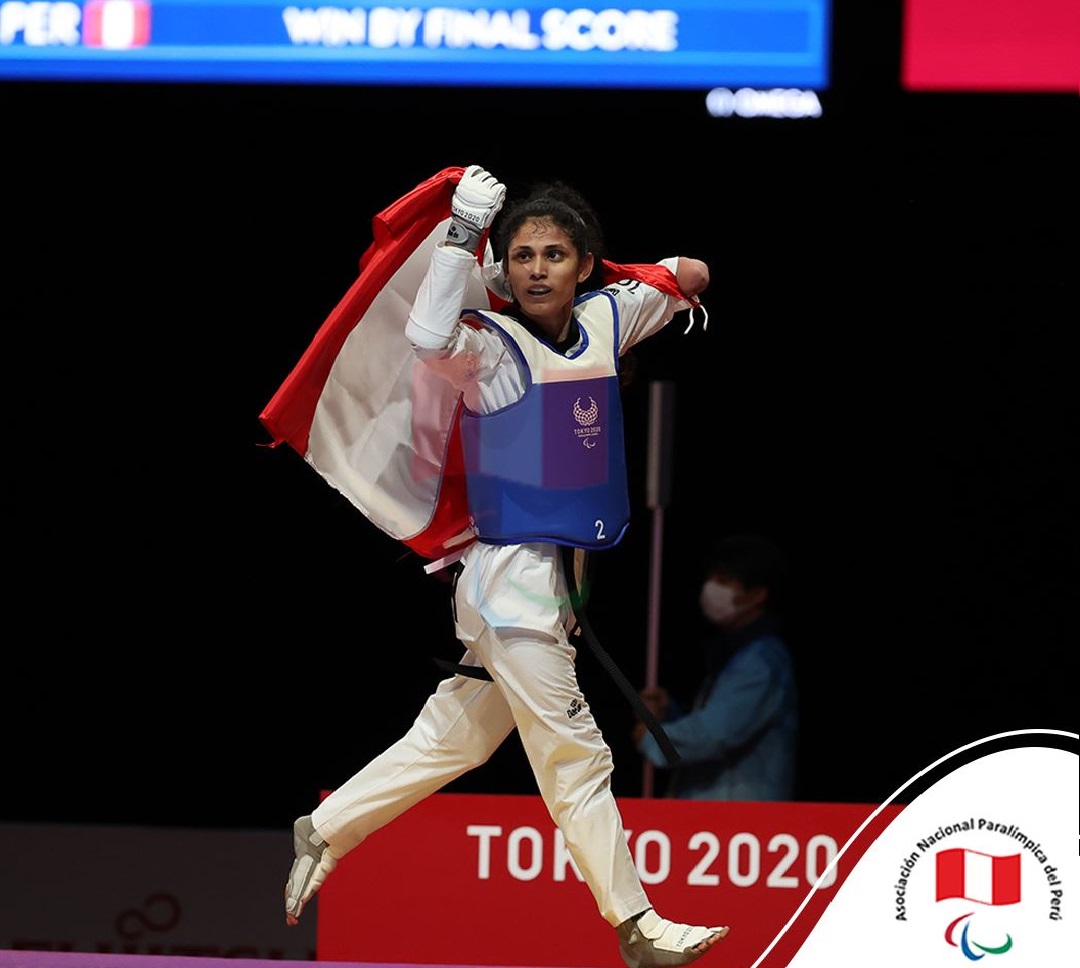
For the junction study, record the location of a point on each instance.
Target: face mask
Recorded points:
(718, 602)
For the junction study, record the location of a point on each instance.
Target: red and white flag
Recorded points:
(973, 876)
(116, 24)
(362, 410)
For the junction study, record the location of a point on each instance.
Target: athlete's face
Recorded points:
(543, 269)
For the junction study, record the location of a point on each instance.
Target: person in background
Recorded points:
(552, 357)
(737, 740)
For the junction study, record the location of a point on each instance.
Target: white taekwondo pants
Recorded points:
(534, 688)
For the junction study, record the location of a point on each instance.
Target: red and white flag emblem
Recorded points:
(116, 24)
(984, 878)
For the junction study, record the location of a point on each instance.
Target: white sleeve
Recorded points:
(644, 310)
(436, 311)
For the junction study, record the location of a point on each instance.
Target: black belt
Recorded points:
(577, 599)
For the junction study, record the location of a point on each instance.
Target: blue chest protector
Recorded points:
(552, 466)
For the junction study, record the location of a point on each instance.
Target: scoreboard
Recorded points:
(691, 44)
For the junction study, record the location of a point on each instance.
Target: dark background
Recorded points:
(202, 633)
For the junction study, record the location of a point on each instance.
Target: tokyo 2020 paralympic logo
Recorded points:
(586, 417)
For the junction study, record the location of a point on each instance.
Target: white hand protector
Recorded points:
(477, 200)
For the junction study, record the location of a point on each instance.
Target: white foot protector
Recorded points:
(313, 864)
(651, 941)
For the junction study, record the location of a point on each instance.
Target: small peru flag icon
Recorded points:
(983, 878)
(116, 24)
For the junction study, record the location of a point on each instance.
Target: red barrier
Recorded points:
(486, 880)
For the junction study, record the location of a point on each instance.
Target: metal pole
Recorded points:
(657, 491)
(653, 639)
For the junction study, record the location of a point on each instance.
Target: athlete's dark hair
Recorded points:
(567, 208)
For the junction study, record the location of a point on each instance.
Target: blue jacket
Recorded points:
(738, 742)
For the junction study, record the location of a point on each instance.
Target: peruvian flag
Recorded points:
(973, 876)
(365, 413)
(116, 24)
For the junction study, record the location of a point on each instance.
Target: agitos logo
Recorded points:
(984, 879)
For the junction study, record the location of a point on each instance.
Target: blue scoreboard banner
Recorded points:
(692, 44)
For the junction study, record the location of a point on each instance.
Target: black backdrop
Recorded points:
(202, 633)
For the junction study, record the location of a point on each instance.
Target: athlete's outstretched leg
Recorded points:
(572, 765)
(460, 726)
